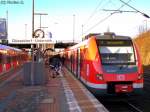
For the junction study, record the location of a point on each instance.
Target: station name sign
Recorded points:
(38, 38)
(29, 41)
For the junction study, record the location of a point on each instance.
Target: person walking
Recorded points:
(55, 64)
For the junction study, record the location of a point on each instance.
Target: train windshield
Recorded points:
(116, 52)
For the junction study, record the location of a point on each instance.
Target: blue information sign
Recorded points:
(3, 29)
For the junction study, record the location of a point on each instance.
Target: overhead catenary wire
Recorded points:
(119, 11)
(102, 20)
(123, 5)
(145, 15)
(93, 13)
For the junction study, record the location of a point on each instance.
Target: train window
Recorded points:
(116, 52)
(1, 58)
(8, 59)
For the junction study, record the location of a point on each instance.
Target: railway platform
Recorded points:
(61, 94)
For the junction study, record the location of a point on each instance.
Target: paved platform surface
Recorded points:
(61, 94)
(67, 94)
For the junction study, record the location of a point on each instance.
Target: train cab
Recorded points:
(106, 63)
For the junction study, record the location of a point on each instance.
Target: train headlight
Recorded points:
(140, 76)
(99, 76)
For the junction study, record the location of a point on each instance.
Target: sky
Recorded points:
(69, 20)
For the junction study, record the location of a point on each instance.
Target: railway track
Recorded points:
(130, 103)
(6, 75)
(115, 104)
(133, 107)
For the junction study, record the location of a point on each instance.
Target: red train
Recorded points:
(11, 58)
(106, 63)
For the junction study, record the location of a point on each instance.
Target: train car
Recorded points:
(106, 63)
(11, 58)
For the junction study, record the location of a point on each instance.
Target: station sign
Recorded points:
(38, 38)
(3, 28)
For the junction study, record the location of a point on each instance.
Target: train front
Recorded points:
(120, 64)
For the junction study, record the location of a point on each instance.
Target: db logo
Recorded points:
(120, 77)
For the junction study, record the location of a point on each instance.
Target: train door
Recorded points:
(78, 63)
(1, 63)
(75, 62)
(68, 64)
(84, 65)
(72, 61)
